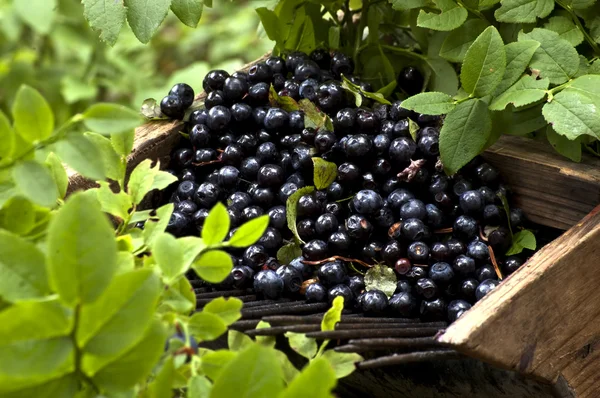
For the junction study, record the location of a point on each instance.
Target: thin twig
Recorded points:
(494, 262)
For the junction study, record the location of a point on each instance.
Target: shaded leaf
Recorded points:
(381, 277)
(523, 239)
(484, 64)
(206, 326)
(32, 116)
(305, 346)
(291, 209)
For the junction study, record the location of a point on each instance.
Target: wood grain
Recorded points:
(544, 320)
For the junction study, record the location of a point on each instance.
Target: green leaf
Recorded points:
(555, 58)
(580, 4)
(381, 277)
(118, 319)
(306, 41)
(35, 320)
(162, 384)
(402, 5)
(108, 119)
(573, 114)
(413, 129)
(566, 29)
(484, 64)
(352, 89)
(305, 346)
(145, 178)
(523, 11)
(256, 374)
(524, 92)
(123, 142)
(213, 266)
(17, 215)
(288, 252)
(465, 132)
(431, 103)
(291, 209)
(32, 116)
(216, 225)
(266, 341)
(313, 117)
(213, 362)
(270, 23)
(153, 229)
(198, 387)
(228, 309)
(343, 363)
(114, 168)
(206, 326)
(237, 341)
(179, 297)
(81, 154)
(106, 17)
(443, 76)
(191, 246)
(523, 239)
(317, 379)
(82, 251)
(7, 138)
(334, 37)
(188, 11)
(284, 102)
(289, 370)
(250, 232)
(35, 182)
(568, 148)
(38, 14)
(587, 85)
(145, 17)
(59, 174)
(66, 386)
(117, 204)
(169, 257)
(324, 174)
(451, 16)
(388, 89)
(518, 55)
(333, 315)
(459, 40)
(135, 364)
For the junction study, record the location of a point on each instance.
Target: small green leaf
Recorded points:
(343, 363)
(270, 23)
(413, 129)
(59, 174)
(317, 379)
(38, 14)
(403, 5)
(145, 178)
(250, 232)
(523, 11)
(524, 92)
(145, 17)
(464, 134)
(484, 65)
(216, 225)
(206, 326)
(443, 76)
(305, 346)
(155, 227)
(451, 16)
(256, 374)
(179, 297)
(228, 309)
(168, 256)
(573, 114)
(352, 89)
(333, 315)
(108, 119)
(431, 103)
(188, 11)
(289, 370)
(266, 341)
(568, 148)
(287, 253)
(459, 40)
(518, 55)
(381, 277)
(32, 116)
(284, 102)
(213, 266)
(324, 174)
(35, 320)
(198, 387)
(17, 216)
(117, 204)
(291, 209)
(191, 246)
(313, 117)
(566, 29)
(35, 182)
(523, 239)
(123, 142)
(113, 167)
(81, 154)
(150, 109)
(334, 37)
(388, 89)
(7, 138)
(162, 383)
(237, 341)
(106, 17)
(213, 362)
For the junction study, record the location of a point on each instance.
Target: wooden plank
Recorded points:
(551, 189)
(544, 320)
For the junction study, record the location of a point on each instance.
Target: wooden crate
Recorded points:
(538, 333)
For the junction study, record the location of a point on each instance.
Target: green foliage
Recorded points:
(382, 278)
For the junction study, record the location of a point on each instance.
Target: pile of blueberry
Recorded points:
(391, 202)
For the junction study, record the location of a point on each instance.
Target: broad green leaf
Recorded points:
(270, 23)
(228, 309)
(145, 178)
(35, 320)
(573, 114)
(288, 252)
(289, 370)
(381, 277)
(524, 92)
(145, 16)
(568, 148)
(237, 341)
(518, 55)
(313, 117)
(459, 40)
(402, 5)
(465, 132)
(588, 85)
(451, 16)
(213, 362)
(198, 387)
(317, 380)
(125, 262)
(443, 76)
(523, 11)
(32, 116)
(82, 155)
(555, 58)
(135, 364)
(74, 89)
(565, 28)
(38, 14)
(35, 182)
(117, 321)
(108, 119)
(113, 167)
(169, 257)
(306, 41)
(484, 64)
(580, 4)
(179, 297)
(206, 326)
(213, 266)
(59, 174)
(291, 209)
(155, 227)
(334, 37)
(7, 138)
(123, 142)
(523, 239)
(117, 204)
(188, 11)
(23, 269)
(343, 363)
(267, 341)
(17, 215)
(191, 246)
(256, 374)
(431, 103)
(66, 386)
(82, 251)
(162, 383)
(106, 17)
(305, 346)
(216, 225)
(333, 315)
(324, 173)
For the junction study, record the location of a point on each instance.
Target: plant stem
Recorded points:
(577, 22)
(404, 51)
(557, 89)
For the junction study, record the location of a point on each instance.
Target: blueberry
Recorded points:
(232, 154)
(374, 302)
(341, 290)
(358, 227)
(440, 251)
(391, 252)
(435, 217)
(304, 269)
(252, 212)
(410, 80)
(214, 98)
(402, 266)
(478, 251)
(439, 183)
(326, 224)
(214, 80)
(308, 135)
(292, 278)
(485, 272)
(512, 263)
(184, 92)
(260, 72)
(186, 190)
(186, 175)
(468, 287)
(276, 119)
(356, 283)
(186, 207)
(367, 202)
(341, 64)
(322, 58)
(348, 173)
(234, 89)
(485, 287)
(315, 250)
(418, 252)
(429, 146)
(315, 293)
(255, 256)
(499, 239)
(413, 208)
(249, 168)
(339, 242)
(242, 276)
(172, 107)
(471, 202)
(401, 150)
(335, 191)
(516, 217)
(456, 308)
(433, 309)
(199, 116)
(248, 143)
(268, 284)
(258, 95)
(384, 217)
(493, 215)
(398, 197)
(286, 191)
(403, 287)
(228, 176)
(381, 144)
(464, 264)
(382, 111)
(358, 145)
(382, 167)
(204, 155)
(345, 120)
(414, 229)
(332, 273)
(296, 178)
(324, 141)
(293, 59)
(302, 159)
(277, 64)
(330, 97)
(291, 88)
(403, 304)
(270, 175)
(367, 122)
(277, 218)
(178, 223)
(372, 251)
(296, 121)
(401, 129)
(465, 227)
(334, 208)
(426, 288)
(441, 273)
(271, 239)
(207, 195)
(461, 186)
(199, 216)
(307, 69)
(487, 174)
(455, 247)
(267, 153)
(218, 118)
(397, 112)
